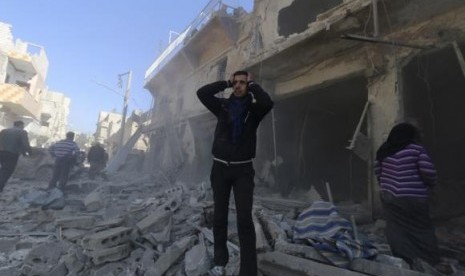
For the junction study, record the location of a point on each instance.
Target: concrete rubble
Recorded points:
(139, 226)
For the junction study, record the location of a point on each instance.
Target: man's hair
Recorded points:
(70, 135)
(237, 73)
(18, 123)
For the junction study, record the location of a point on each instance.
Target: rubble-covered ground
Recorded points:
(138, 224)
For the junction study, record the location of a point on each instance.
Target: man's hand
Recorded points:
(230, 81)
(250, 77)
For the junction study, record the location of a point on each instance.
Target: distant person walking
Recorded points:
(233, 150)
(98, 159)
(13, 142)
(65, 153)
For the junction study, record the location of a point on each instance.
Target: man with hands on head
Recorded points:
(233, 149)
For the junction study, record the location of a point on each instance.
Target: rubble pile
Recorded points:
(142, 225)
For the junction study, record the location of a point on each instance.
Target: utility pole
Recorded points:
(125, 105)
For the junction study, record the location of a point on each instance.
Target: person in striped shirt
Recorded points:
(65, 153)
(405, 173)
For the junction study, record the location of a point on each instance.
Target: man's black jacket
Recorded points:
(223, 148)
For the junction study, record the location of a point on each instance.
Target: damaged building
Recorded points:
(341, 74)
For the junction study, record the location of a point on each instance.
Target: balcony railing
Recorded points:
(176, 45)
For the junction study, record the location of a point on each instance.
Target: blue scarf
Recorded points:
(238, 109)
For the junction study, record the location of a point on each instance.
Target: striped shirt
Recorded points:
(64, 148)
(407, 173)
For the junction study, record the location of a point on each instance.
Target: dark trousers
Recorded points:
(409, 229)
(61, 171)
(240, 179)
(96, 168)
(8, 161)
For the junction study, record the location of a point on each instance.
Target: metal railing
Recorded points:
(176, 45)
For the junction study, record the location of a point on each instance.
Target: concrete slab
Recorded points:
(280, 264)
(171, 255)
(154, 222)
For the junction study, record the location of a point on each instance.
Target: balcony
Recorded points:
(19, 101)
(29, 58)
(211, 10)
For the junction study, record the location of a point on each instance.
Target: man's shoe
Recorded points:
(217, 271)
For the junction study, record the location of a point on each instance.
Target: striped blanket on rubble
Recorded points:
(331, 235)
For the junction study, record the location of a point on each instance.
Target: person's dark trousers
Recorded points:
(61, 172)
(8, 161)
(240, 179)
(96, 168)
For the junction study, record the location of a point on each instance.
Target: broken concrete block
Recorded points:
(82, 222)
(171, 255)
(93, 201)
(172, 204)
(175, 191)
(272, 228)
(196, 261)
(154, 222)
(163, 236)
(148, 260)
(109, 255)
(106, 239)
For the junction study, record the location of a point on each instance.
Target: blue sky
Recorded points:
(89, 41)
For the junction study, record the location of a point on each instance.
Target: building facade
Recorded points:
(54, 114)
(341, 75)
(23, 70)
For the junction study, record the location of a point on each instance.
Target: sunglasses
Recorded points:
(240, 82)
